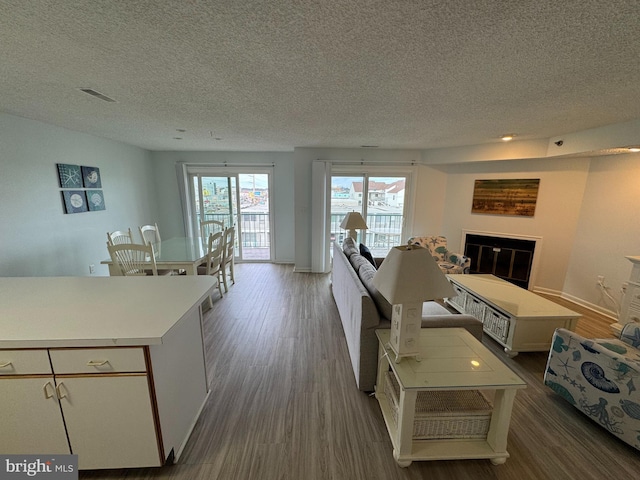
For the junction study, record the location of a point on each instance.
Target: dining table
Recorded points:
(177, 253)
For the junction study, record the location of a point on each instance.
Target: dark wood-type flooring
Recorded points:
(284, 404)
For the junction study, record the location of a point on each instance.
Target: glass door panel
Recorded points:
(385, 214)
(254, 214)
(346, 196)
(217, 197)
(221, 197)
(379, 199)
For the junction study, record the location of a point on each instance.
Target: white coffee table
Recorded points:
(453, 360)
(517, 319)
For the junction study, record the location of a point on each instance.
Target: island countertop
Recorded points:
(95, 311)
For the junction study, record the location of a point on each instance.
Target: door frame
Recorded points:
(203, 170)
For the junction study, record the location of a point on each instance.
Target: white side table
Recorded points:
(451, 360)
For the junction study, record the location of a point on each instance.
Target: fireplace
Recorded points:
(509, 258)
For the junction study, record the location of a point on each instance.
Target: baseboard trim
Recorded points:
(578, 301)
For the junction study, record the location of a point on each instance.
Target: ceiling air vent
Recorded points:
(93, 93)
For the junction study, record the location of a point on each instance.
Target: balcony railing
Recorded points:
(255, 233)
(384, 232)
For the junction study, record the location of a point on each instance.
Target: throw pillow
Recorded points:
(349, 247)
(357, 261)
(366, 274)
(366, 253)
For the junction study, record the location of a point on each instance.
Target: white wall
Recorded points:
(37, 238)
(608, 230)
(562, 185)
(429, 210)
(282, 196)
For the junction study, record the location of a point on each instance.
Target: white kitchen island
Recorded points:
(109, 368)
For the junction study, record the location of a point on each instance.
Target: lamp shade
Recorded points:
(353, 221)
(410, 274)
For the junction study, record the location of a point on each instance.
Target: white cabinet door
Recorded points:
(110, 420)
(30, 420)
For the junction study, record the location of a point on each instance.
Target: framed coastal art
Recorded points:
(506, 196)
(81, 188)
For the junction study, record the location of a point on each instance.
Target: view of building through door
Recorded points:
(380, 201)
(240, 199)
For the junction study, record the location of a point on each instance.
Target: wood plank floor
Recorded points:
(284, 404)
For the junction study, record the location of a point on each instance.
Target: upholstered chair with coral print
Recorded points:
(449, 262)
(600, 377)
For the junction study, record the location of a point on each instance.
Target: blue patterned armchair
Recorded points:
(600, 377)
(448, 262)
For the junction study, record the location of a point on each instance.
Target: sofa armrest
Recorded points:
(468, 322)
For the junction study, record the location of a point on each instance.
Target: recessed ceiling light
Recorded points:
(634, 149)
(508, 137)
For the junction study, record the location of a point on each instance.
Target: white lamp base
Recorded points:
(406, 321)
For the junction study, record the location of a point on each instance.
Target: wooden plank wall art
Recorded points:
(81, 188)
(506, 197)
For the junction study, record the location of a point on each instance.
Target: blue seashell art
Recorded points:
(594, 374)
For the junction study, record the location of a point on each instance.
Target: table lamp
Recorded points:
(353, 221)
(408, 277)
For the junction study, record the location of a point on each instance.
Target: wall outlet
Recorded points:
(92, 269)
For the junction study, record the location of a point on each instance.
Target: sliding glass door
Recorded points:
(380, 199)
(239, 198)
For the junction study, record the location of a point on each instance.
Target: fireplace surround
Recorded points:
(510, 257)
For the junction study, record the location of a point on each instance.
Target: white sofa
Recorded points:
(363, 310)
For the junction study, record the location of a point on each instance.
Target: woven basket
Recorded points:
(444, 414)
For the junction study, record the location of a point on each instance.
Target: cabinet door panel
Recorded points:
(30, 422)
(109, 420)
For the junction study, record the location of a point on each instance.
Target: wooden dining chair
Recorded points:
(210, 226)
(150, 233)
(213, 265)
(134, 259)
(119, 237)
(228, 256)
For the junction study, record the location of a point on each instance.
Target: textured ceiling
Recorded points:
(274, 75)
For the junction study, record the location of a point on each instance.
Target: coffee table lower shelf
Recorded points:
(441, 449)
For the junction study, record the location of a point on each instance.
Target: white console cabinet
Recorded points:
(121, 385)
(517, 319)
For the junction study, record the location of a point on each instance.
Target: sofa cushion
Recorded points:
(366, 253)
(349, 247)
(366, 274)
